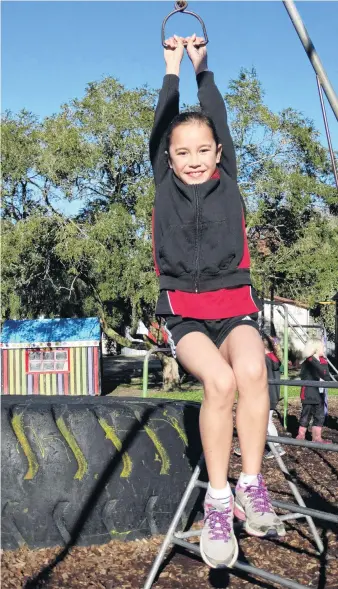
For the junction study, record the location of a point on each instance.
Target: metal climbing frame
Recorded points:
(295, 511)
(146, 367)
(323, 81)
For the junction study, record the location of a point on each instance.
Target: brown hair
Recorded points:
(191, 117)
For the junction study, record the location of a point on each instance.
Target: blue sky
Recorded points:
(51, 50)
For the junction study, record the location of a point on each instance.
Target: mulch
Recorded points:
(125, 565)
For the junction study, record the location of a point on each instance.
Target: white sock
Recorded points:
(247, 479)
(222, 495)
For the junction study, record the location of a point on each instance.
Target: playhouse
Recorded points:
(51, 357)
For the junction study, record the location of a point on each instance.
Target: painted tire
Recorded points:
(123, 463)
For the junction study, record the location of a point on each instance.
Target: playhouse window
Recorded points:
(47, 361)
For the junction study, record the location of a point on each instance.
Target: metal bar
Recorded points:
(286, 363)
(169, 539)
(283, 581)
(310, 326)
(201, 485)
(191, 534)
(327, 130)
(246, 568)
(302, 443)
(145, 374)
(290, 516)
(293, 327)
(301, 507)
(326, 384)
(312, 54)
(312, 513)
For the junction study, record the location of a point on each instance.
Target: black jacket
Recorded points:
(273, 368)
(198, 230)
(313, 369)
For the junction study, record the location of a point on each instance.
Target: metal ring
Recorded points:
(180, 7)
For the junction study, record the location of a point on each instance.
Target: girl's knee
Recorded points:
(220, 389)
(254, 372)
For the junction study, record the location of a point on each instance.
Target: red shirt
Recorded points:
(217, 304)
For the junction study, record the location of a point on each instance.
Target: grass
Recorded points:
(197, 394)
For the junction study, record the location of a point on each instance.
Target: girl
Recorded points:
(273, 364)
(202, 260)
(314, 367)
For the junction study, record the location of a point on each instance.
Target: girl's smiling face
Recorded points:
(193, 153)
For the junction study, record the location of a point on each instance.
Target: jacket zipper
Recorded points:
(197, 239)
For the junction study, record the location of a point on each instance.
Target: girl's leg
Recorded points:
(318, 422)
(244, 351)
(200, 357)
(304, 421)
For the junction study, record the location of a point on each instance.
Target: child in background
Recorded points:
(314, 367)
(273, 363)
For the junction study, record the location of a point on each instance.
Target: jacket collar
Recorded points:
(203, 190)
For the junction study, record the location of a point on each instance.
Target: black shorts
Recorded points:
(215, 329)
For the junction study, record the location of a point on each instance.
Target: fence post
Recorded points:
(145, 374)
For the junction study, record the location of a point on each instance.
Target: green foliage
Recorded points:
(96, 150)
(287, 182)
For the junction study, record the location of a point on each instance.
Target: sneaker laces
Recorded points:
(259, 497)
(219, 523)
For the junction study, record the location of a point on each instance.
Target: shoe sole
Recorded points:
(220, 565)
(240, 515)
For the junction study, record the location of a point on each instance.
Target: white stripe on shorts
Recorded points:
(170, 341)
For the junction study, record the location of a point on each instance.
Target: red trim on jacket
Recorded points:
(272, 356)
(217, 304)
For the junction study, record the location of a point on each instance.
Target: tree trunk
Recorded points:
(171, 377)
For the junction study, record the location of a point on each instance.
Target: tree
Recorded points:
(287, 182)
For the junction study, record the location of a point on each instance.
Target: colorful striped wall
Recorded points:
(83, 377)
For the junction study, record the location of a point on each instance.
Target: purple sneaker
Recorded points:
(253, 506)
(218, 542)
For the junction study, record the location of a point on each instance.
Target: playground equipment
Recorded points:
(295, 511)
(181, 7)
(323, 82)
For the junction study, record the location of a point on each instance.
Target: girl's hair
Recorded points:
(267, 342)
(311, 347)
(191, 117)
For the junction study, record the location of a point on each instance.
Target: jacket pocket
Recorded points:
(177, 252)
(221, 248)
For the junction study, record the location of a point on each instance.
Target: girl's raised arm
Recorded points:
(212, 103)
(167, 107)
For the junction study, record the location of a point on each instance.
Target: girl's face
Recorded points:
(193, 153)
